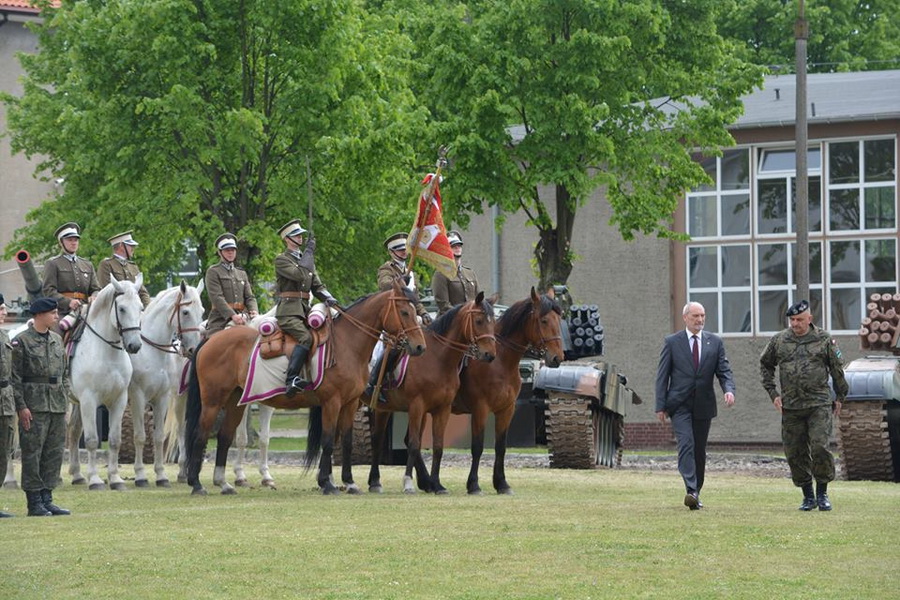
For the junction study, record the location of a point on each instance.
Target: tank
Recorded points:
(33, 283)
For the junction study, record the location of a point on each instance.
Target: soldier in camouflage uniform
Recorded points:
(805, 356)
(120, 265)
(228, 287)
(295, 280)
(450, 292)
(40, 396)
(7, 404)
(69, 279)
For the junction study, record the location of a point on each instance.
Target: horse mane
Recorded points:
(410, 295)
(104, 299)
(515, 316)
(441, 325)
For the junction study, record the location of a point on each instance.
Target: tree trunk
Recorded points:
(553, 251)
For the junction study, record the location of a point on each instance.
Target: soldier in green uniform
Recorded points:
(228, 287)
(120, 265)
(295, 280)
(40, 396)
(394, 269)
(69, 279)
(805, 356)
(450, 292)
(7, 403)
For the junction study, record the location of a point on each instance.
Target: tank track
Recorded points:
(582, 437)
(362, 439)
(864, 441)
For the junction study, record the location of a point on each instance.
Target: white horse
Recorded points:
(101, 372)
(170, 330)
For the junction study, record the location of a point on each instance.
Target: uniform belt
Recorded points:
(50, 379)
(3, 383)
(74, 295)
(304, 295)
(238, 306)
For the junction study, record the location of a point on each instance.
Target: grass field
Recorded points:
(564, 534)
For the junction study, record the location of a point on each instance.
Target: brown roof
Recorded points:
(23, 6)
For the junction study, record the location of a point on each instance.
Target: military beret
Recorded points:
(798, 308)
(42, 305)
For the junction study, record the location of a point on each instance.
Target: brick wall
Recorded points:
(659, 436)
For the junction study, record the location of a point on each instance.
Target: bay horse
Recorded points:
(529, 326)
(101, 372)
(170, 331)
(429, 386)
(219, 371)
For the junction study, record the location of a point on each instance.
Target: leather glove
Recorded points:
(331, 301)
(311, 244)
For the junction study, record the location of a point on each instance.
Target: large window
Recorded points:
(741, 261)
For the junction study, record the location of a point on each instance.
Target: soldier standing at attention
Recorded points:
(805, 356)
(450, 292)
(120, 265)
(295, 279)
(7, 403)
(228, 287)
(69, 279)
(394, 269)
(40, 396)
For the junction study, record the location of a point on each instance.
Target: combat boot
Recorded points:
(294, 383)
(822, 496)
(47, 499)
(36, 505)
(809, 500)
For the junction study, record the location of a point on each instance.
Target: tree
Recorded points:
(182, 119)
(844, 35)
(575, 95)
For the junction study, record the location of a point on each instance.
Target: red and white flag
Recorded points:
(433, 246)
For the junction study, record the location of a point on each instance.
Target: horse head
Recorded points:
(126, 306)
(473, 323)
(543, 334)
(187, 313)
(399, 319)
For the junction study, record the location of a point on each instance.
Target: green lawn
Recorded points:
(564, 534)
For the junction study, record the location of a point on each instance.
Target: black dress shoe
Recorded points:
(823, 502)
(692, 501)
(6, 515)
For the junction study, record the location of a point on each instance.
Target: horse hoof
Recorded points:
(182, 479)
(376, 489)
(96, 487)
(353, 489)
(229, 491)
(118, 486)
(163, 483)
(269, 483)
(506, 492)
(199, 492)
(242, 482)
(410, 491)
(475, 492)
(10, 485)
(79, 481)
(141, 483)
(330, 491)
(441, 492)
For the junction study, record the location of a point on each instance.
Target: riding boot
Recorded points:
(822, 496)
(36, 505)
(47, 500)
(809, 501)
(392, 357)
(294, 382)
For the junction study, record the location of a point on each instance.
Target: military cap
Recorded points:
(122, 238)
(42, 305)
(454, 238)
(226, 241)
(798, 308)
(291, 228)
(70, 229)
(396, 241)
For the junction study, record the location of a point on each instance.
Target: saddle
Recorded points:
(274, 343)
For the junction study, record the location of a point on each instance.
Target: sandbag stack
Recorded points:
(880, 330)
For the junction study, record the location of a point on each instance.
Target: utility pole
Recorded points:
(801, 268)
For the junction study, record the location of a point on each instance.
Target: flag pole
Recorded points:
(429, 196)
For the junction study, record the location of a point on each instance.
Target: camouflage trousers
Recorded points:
(7, 434)
(42, 451)
(805, 434)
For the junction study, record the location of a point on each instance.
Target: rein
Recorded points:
(171, 348)
(390, 309)
(470, 347)
(530, 346)
(116, 344)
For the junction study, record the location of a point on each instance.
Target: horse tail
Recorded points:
(313, 437)
(192, 408)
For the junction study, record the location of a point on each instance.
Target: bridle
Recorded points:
(117, 344)
(398, 340)
(539, 349)
(171, 347)
(470, 347)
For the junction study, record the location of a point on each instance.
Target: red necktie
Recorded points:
(696, 352)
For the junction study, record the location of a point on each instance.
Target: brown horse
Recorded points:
(219, 371)
(533, 326)
(430, 385)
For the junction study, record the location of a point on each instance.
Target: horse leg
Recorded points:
(73, 434)
(205, 424)
(234, 416)
(182, 445)
(116, 412)
(345, 422)
(88, 411)
(414, 451)
(438, 426)
(138, 405)
(329, 429)
(379, 429)
(503, 419)
(479, 420)
(241, 440)
(265, 426)
(160, 414)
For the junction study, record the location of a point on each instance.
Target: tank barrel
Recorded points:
(32, 282)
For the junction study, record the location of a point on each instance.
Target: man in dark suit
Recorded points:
(688, 363)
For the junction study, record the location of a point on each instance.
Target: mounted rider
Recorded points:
(228, 286)
(120, 265)
(394, 269)
(295, 280)
(450, 292)
(69, 279)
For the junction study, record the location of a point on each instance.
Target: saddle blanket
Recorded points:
(396, 379)
(265, 377)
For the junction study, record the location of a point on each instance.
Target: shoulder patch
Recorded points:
(837, 349)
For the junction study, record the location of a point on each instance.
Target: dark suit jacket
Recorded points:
(677, 382)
